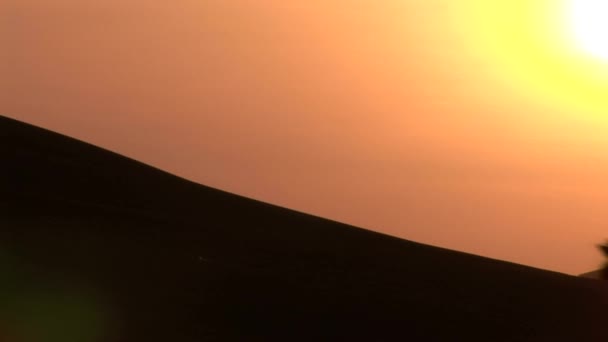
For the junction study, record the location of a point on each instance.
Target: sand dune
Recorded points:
(147, 256)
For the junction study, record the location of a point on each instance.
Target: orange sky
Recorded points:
(474, 125)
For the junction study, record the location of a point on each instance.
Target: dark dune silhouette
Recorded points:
(171, 260)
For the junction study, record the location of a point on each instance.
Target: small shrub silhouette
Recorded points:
(604, 270)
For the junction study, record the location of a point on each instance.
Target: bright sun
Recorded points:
(589, 19)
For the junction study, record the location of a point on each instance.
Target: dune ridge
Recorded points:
(179, 261)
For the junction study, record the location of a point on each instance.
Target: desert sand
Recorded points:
(132, 253)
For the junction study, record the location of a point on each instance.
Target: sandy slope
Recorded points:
(146, 256)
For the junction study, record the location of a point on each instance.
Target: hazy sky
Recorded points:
(469, 124)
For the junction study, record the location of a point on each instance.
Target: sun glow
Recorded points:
(589, 20)
(551, 53)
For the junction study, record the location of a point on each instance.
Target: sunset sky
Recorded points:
(474, 125)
